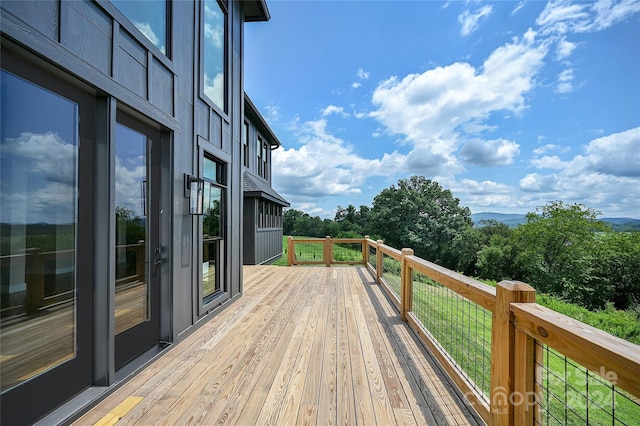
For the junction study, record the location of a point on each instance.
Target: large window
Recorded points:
(214, 51)
(212, 230)
(39, 216)
(150, 17)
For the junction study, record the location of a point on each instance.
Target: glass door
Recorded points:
(45, 243)
(137, 251)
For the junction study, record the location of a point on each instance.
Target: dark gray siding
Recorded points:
(93, 45)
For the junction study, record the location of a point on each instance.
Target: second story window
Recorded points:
(214, 25)
(265, 158)
(150, 17)
(259, 151)
(245, 144)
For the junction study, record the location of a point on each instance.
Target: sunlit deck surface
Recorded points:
(303, 345)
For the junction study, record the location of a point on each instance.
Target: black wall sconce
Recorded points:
(194, 189)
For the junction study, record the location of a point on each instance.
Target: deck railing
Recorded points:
(516, 362)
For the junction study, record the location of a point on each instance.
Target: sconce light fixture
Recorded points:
(194, 189)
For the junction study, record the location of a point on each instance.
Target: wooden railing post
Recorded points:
(327, 251)
(406, 284)
(379, 259)
(290, 251)
(503, 353)
(365, 250)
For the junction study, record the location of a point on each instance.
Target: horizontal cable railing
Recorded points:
(516, 362)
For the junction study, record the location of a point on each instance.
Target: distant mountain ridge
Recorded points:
(513, 220)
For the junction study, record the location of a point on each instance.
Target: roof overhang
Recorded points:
(256, 11)
(252, 113)
(254, 187)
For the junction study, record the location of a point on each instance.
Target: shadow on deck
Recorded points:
(303, 345)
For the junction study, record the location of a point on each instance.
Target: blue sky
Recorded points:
(508, 104)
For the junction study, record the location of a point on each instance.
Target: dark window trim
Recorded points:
(221, 296)
(222, 111)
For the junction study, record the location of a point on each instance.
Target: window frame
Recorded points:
(207, 304)
(245, 144)
(221, 109)
(76, 372)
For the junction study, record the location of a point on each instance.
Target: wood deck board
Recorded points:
(303, 345)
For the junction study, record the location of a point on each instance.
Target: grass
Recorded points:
(569, 393)
(314, 252)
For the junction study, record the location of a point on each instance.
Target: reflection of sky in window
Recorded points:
(38, 149)
(131, 169)
(214, 52)
(149, 16)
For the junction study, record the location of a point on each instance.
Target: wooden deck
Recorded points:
(303, 345)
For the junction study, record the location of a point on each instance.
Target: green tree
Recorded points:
(351, 220)
(420, 214)
(556, 252)
(474, 241)
(617, 268)
(289, 220)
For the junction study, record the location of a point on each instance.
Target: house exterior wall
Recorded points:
(262, 235)
(91, 46)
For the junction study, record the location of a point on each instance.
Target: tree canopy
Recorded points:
(422, 215)
(562, 249)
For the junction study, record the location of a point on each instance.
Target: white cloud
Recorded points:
(517, 9)
(550, 148)
(273, 114)
(326, 165)
(129, 181)
(440, 99)
(145, 28)
(333, 109)
(47, 153)
(549, 162)
(564, 49)
(432, 110)
(564, 82)
(470, 20)
(606, 175)
(49, 195)
(214, 34)
(617, 154)
(486, 195)
(563, 16)
(214, 88)
(534, 182)
(362, 74)
(489, 153)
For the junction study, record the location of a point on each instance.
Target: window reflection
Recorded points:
(212, 240)
(149, 16)
(38, 220)
(214, 52)
(132, 295)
